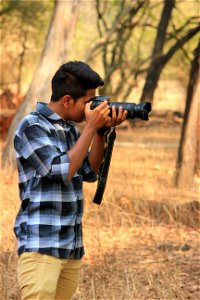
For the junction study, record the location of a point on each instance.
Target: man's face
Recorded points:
(79, 105)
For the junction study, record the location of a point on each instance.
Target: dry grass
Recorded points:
(143, 241)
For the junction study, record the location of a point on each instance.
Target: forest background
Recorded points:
(148, 247)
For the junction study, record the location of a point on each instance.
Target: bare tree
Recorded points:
(55, 52)
(124, 54)
(188, 163)
(21, 59)
(155, 66)
(159, 59)
(115, 33)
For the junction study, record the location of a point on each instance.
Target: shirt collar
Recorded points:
(44, 110)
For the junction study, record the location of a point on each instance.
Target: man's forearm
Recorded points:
(78, 152)
(97, 152)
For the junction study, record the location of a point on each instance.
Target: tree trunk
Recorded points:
(155, 66)
(21, 60)
(188, 153)
(55, 52)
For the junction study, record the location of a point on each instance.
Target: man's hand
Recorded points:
(97, 117)
(116, 119)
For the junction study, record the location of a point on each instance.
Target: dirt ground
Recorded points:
(143, 241)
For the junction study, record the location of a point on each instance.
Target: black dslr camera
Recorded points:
(139, 111)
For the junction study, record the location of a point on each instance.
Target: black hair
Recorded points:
(74, 78)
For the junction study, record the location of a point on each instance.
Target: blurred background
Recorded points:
(143, 241)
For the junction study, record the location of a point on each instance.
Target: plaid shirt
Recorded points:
(50, 217)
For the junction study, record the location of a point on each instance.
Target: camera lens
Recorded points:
(140, 111)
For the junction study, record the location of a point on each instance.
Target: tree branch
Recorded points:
(180, 43)
(115, 28)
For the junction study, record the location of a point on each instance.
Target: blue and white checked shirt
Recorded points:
(50, 217)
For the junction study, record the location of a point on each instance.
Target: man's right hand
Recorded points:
(97, 117)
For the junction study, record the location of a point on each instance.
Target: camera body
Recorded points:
(140, 111)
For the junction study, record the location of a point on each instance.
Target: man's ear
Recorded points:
(68, 101)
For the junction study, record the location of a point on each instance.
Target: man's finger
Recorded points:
(102, 105)
(120, 113)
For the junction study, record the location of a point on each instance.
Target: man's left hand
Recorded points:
(116, 119)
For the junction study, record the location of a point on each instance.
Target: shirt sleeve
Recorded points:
(88, 173)
(38, 147)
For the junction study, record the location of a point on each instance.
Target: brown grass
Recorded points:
(143, 241)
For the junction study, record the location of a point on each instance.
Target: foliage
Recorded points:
(23, 30)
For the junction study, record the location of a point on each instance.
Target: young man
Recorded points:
(53, 161)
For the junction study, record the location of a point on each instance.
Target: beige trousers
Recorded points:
(44, 277)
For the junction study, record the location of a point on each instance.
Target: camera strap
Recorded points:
(105, 167)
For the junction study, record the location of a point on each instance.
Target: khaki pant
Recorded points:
(44, 277)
